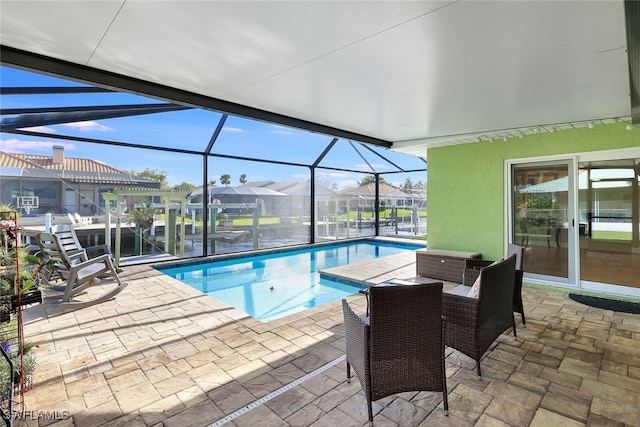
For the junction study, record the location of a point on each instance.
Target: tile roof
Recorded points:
(73, 169)
(28, 161)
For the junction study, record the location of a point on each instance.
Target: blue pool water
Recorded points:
(270, 286)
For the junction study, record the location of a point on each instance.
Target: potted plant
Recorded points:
(19, 276)
(32, 280)
(23, 286)
(6, 291)
(14, 370)
(15, 367)
(10, 255)
(142, 217)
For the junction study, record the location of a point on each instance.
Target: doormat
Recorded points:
(607, 304)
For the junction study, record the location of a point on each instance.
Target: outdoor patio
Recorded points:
(163, 354)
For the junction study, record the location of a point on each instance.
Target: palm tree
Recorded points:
(243, 178)
(225, 179)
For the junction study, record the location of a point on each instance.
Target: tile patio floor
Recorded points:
(162, 354)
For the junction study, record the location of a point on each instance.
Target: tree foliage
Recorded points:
(184, 186)
(410, 187)
(153, 174)
(371, 179)
(243, 178)
(225, 179)
(142, 216)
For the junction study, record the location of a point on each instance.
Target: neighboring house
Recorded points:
(284, 198)
(62, 184)
(298, 200)
(363, 197)
(231, 199)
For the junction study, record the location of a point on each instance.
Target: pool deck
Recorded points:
(163, 354)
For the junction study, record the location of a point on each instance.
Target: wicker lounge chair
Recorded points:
(473, 324)
(472, 270)
(400, 346)
(79, 272)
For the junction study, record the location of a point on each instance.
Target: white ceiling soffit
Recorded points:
(427, 73)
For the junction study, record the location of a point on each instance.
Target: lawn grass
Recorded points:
(384, 213)
(623, 236)
(263, 220)
(246, 221)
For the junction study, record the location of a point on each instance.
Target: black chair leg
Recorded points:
(445, 402)
(348, 372)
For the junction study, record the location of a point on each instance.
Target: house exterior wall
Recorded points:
(51, 194)
(466, 183)
(48, 192)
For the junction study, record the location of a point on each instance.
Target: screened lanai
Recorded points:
(252, 184)
(356, 76)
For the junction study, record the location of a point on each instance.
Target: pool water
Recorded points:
(270, 286)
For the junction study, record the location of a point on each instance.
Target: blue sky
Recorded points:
(191, 130)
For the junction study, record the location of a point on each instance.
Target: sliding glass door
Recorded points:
(578, 219)
(542, 218)
(608, 204)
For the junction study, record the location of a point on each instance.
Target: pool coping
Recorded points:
(267, 251)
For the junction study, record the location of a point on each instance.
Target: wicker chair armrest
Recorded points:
(476, 263)
(469, 276)
(458, 309)
(357, 344)
(356, 326)
(472, 270)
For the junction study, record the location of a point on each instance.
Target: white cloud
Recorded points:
(41, 129)
(281, 130)
(366, 168)
(15, 145)
(230, 129)
(87, 126)
(347, 184)
(333, 174)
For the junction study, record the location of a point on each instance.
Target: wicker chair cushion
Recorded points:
(474, 292)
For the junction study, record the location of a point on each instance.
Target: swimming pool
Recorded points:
(276, 284)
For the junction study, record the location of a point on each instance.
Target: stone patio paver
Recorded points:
(161, 353)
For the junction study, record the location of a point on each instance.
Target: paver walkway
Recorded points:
(163, 354)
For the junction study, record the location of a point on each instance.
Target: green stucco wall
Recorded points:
(466, 192)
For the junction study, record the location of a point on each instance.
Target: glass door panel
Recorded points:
(540, 217)
(609, 221)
